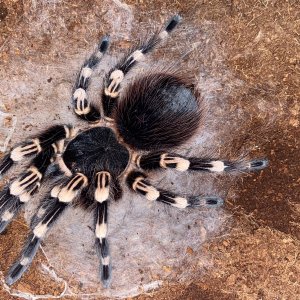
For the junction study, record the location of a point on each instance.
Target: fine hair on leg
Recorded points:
(115, 77)
(60, 197)
(36, 145)
(83, 108)
(164, 160)
(137, 182)
(21, 190)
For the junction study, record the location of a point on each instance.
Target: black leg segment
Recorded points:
(21, 190)
(101, 196)
(36, 145)
(137, 181)
(113, 80)
(83, 108)
(163, 160)
(60, 197)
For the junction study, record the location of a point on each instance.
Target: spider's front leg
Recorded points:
(113, 80)
(59, 199)
(82, 106)
(163, 160)
(137, 181)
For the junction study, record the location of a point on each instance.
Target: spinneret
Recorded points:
(157, 112)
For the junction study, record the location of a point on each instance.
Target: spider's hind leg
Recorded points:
(58, 200)
(163, 160)
(137, 181)
(113, 80)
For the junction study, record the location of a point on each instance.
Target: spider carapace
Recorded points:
(150, 117)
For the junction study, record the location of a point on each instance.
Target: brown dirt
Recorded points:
(259, 257)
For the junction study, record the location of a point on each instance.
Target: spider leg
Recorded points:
(82, 106)
(20, 191)
(114, 78)
(36, 145)
(137, 181)
(102, 191)
(163, 160)
(59, 199)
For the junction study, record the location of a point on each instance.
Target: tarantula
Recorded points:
(135, 126)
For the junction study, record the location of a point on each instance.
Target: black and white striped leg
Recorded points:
(82, 106)
(61, 196)
(164, 160)
(5, 164)
(137, 181)
(35, 146)
(20, 191)
(114, 78)
(102, 192)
